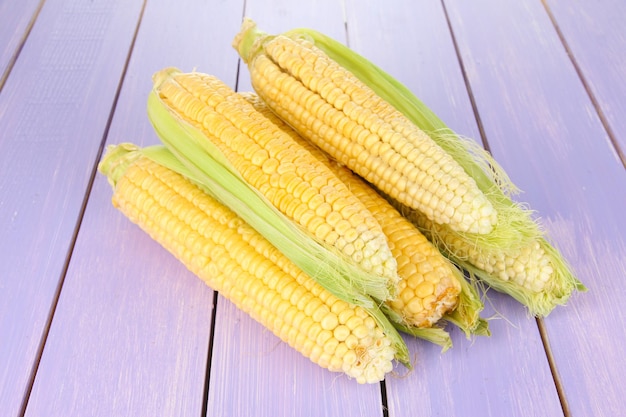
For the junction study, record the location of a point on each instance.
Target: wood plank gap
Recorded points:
(238, 73)
(79, 220)
(383, 398)
(594, 101)
(543, 332)
(383, 387)
(468, 87)
(207, 380)
(344, 10)
(18, 50)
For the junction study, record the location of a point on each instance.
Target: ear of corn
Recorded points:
(431, 288)
(323, 227)
(347, 119)
(536, 274)
(283, 77)
(232, 258)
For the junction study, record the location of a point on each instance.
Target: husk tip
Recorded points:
(245, 40)
(116, 160)
(159, 77)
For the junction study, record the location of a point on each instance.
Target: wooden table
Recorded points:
(98, 320)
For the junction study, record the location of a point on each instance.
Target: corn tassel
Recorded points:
(233, 259)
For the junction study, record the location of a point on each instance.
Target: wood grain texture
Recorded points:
(53, 112)
(542, 126)
(132, 326)
(596, 38)
(499, 375)
(13, 31)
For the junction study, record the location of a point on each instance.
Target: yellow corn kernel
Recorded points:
(329, 106)
(271, 162)
(423, 270)
(227, 254)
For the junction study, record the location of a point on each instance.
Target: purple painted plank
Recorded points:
(595, 35)
(541, 125)
(252, 372)
(15, 18)
(492, 376)
(131, 331)
(503, 375)
(53, 111)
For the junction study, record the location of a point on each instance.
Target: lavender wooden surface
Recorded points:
(54, 108)
(541, 125)
(596, 39)
(96, 319)
(122, 287)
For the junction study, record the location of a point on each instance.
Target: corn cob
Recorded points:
(314, 102)
(233, 259)
(536, 274)
(340, 114)
(279, 170)
(430, 286)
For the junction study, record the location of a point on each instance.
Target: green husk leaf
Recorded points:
(116, 160)
(205, 165)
